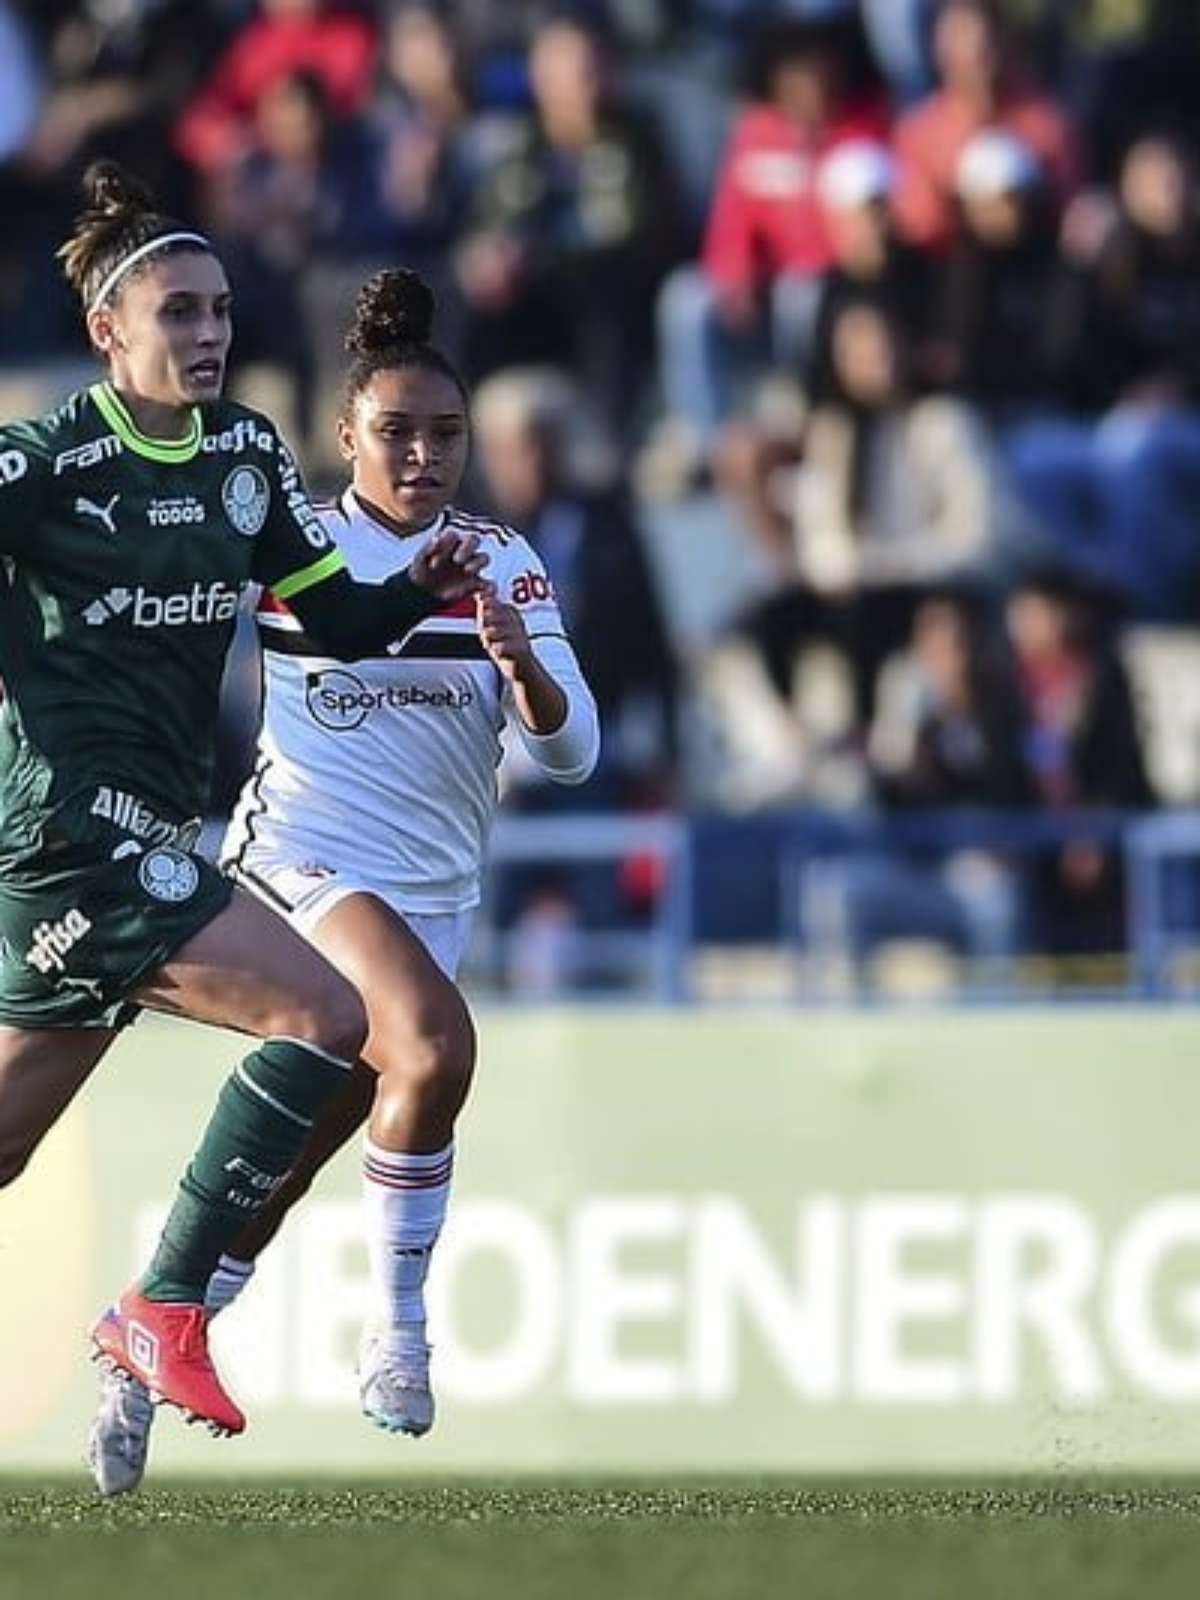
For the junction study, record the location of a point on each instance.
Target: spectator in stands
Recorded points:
(752, 298)
(82, 81)
(1121, 497)
(895, 494)
(998, 281)
(1082, 746)
(870, 267)
(593, 553)
(571, 230)
(983, 84)
(419, 125)
(946, 734)
(331, 40)
(301, 188)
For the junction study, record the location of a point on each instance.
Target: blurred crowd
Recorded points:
(840, 357)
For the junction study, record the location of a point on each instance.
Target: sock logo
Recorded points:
(143, 1349)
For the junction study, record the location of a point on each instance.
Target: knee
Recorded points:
(433, 1056)
(333, 1020)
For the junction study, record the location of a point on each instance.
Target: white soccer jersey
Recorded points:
(385, 768)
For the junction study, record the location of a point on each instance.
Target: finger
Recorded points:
(465, 551)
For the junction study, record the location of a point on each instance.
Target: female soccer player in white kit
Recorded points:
(365, 824)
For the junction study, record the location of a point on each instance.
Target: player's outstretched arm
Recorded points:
(352, 620)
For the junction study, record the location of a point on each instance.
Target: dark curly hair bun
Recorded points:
(393, 308)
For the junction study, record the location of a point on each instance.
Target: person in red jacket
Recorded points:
(288, 36)
(754, 291)
(982, 84)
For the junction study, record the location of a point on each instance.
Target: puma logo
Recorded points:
(104, 514)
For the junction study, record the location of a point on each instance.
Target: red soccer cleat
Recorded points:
(165, 1344)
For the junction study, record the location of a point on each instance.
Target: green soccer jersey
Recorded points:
(124, 559)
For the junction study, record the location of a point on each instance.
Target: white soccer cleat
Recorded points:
(119, 1441)
(393, 1383)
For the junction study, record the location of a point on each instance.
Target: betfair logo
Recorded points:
(201, 604)
(110, 605)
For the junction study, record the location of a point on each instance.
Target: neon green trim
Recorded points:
(169, 451)
(308, 576)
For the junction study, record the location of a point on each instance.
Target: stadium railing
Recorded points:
(733, 889)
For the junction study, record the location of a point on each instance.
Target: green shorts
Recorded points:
(80, 931)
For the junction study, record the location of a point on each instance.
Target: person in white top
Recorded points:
(365, 824)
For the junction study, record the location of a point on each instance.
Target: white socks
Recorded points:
(226, 1283)
(404, 1201)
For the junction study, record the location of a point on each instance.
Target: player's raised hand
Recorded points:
(451, 566)
(502, 630)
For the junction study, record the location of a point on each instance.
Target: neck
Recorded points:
(571, 126)
(979, 95)
(155, 418)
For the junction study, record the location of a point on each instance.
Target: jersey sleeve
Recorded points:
(569, 754)
(24, 475)
(300, 563)
(527, 586)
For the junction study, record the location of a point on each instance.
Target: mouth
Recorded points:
(421, 485)
(205, 374)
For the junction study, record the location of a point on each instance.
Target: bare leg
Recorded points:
(421, 1040)
(248, 970)
(421, 1044)
(40, 1074)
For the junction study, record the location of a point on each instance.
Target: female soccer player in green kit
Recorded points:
(365, 825)
(131, 521)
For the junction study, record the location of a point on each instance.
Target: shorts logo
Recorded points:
(143, 1349)
(53, 941)
(315, 869)
(246, 497)
(168, 875)
(340, 701)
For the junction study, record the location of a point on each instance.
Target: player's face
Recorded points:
(167, 336)
(407, 440)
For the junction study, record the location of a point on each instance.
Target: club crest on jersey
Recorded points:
(246, 497)
(168, 875)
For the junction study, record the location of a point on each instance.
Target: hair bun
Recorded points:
(394, 307)
(111, 192)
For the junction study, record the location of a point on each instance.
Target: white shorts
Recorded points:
(308, 893)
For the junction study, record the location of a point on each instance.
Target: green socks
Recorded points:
(263, 1115)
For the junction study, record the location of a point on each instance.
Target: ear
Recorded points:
(103, 331)
(345, 440)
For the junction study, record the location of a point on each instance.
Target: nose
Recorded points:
(420, 449)
(213, 333)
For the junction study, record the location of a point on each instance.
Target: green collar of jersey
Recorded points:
(170, 451)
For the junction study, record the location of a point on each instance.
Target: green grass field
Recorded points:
(535, 1540)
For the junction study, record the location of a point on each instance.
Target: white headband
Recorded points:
(131, 260)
